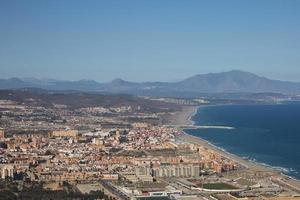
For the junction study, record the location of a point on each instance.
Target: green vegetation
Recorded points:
(218, 186)
(35, 191)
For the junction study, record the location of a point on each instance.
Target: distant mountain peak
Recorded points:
(234, 81)
(240, 72)
(87, 81)
(118, 80)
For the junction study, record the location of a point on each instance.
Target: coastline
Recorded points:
(184, 118)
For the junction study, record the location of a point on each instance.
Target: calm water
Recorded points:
(268, 134)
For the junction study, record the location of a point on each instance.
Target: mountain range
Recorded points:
(234, 81)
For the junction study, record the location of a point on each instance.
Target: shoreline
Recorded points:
(183, 117)
(186, 120)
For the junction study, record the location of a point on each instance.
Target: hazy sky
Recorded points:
(148, 39)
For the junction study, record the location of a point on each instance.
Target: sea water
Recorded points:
(267, 134)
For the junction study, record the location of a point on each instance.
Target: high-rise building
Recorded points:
(187, 170)
(6, 170)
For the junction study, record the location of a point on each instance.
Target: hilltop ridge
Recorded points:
(234, 81)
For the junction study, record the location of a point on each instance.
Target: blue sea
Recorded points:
(266, 134)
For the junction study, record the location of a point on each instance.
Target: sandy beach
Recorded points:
(184, 118)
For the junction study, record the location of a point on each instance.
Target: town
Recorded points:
(120, 152)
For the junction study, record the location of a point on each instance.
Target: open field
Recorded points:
(218, 186)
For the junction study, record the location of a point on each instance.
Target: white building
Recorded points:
(6, 170)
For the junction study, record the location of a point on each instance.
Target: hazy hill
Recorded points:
(226, 82)
(74, 100)
(235, 81)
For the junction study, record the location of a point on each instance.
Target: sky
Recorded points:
(148, 40)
